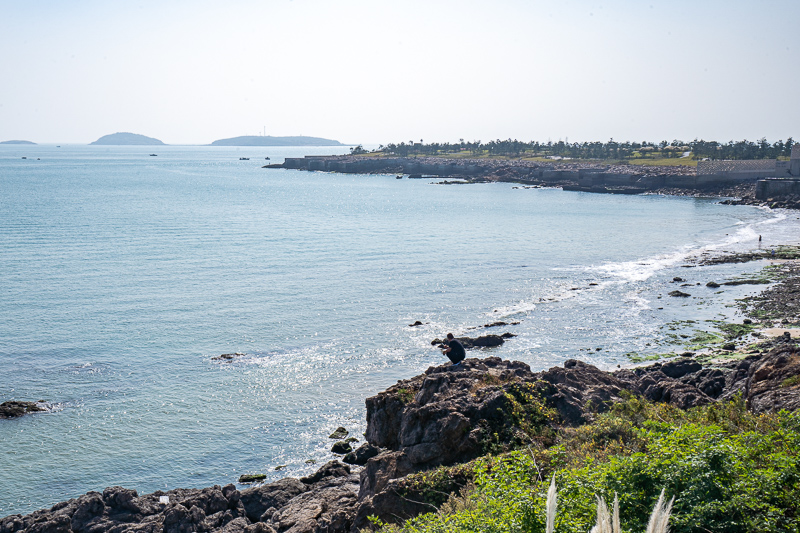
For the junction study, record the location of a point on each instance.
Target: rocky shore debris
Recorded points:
(15, 409)
(441, 417)
(679, 294)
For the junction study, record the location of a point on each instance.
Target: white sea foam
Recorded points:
(744, 238)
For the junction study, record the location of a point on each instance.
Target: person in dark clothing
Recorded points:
(454, 350)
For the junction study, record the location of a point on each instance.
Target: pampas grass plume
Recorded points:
(551, 506)
(660, 516)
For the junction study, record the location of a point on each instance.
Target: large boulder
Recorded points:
(773, 382)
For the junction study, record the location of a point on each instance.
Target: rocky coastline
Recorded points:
(615, 178)
(448, 417)
(443, 417)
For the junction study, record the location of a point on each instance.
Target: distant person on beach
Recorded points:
(454, 350)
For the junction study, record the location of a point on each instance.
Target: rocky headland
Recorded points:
(595, 177)
(445, 416)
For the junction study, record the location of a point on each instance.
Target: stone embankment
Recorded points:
(446, 416)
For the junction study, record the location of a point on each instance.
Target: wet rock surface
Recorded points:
(441, 417)
(15, 409)
(470, 343)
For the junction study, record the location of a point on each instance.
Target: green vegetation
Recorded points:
(406, 395)
(637, 153)
(791, 382)
(728, 469)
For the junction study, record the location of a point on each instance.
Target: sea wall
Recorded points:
(777, 188)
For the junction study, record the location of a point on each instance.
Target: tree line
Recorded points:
(611, 150)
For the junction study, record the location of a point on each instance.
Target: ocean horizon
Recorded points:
(126, 276)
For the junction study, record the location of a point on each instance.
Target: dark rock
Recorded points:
(258, 499)
(14, 409)
(680, 367)
(339, 434)
(329, 507)
(252, 478)
(677, 280)
(579, 389)
(362, 454)
(500, 323)
(121, 499)
(679, 294)
(508, 335)
(341, 447)
(469, 343)
(415, 324)
(330, 469)
(90, 506)
(485, 341)
(747, 282)
(227, 356)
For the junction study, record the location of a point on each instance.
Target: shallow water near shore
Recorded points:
(125, 274)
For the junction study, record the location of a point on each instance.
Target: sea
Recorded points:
(125, 272)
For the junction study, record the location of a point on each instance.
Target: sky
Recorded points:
(376, 71)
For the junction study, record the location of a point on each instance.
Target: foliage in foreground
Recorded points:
(729, 470)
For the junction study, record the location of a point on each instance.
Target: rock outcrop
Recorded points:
(448, 415)
(15, 409)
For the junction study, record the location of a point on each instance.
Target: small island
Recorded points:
(267, 140)
(127, 139)
(17, 142)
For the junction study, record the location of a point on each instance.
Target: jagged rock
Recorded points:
(328, 470)
(439, 417)
(328, 507)
(773, 382)
(580, 389)
(679, 294)
(362, 454)
(272, 495)
(14, 409)
(712, 284)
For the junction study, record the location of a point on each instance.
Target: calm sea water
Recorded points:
(124, 275)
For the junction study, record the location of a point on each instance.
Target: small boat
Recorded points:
(267, 158)
(244, 159)
(153, 155)
(23, 157)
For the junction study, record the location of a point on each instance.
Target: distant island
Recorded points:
(258, 140)
(17, 142)
(133, 139)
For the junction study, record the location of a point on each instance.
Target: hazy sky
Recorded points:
(374, 71)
